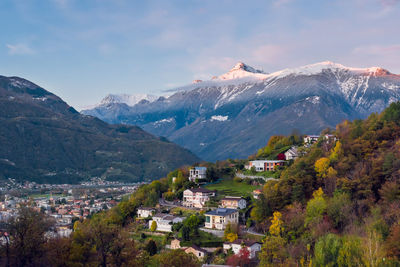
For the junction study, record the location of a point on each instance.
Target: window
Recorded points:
(207, 219)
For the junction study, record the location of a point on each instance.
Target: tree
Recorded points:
(151, 247)
(393, 242)
(153, 226)
(177, 258)
(281, 156)
(241, 259)
(321, 167)
(231, 237)
(231, 229)
(316, 207)
(326, 250)
(273, 251)
(350, 254)
(276, 224)
(27, 236)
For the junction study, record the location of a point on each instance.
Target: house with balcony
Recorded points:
(220, 218)
(265, 165)
(233, 202)
(196, 197)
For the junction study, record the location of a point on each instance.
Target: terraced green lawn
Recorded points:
(232, 188)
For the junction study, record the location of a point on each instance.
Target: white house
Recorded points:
(233, 202)
(310, 139)
(197, 173)
(292, 153)
(144, 212)
(196, 197)
(264, 165)
(252, 246)
(219, 218)
(164, 222)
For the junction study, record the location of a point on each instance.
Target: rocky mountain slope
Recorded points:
(232, 115)
(43, 139)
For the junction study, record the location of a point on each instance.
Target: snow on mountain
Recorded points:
(130, 100)
(240, 71)
(319, 67)
(233, 114)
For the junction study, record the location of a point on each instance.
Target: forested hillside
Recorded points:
(339, 204)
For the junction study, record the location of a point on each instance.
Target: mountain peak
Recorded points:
(241, 70)
(244, 67)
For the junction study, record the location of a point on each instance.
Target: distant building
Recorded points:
(257, 193)
(175, 244)
(233, 202)
(197, 173)
(265, 165)
(292, 153)
(310, 139)
(144, 212)
(219, 218)
(164, 222)
(330, 138)
(196, 197)
(252, 246)
(197, 251)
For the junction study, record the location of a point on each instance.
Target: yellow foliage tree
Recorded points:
(153, 226)
(337, 152)
(321, 167)
(231, 237)
(276, 224)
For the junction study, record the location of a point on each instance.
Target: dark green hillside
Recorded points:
(43, 139)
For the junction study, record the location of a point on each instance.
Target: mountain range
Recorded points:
(232, 115)
(44, 139)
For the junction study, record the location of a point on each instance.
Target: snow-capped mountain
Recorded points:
(130, 100)
(233, 114)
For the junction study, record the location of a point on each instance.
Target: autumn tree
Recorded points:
(153, 226)
(316, 207)
(27, 236)
(241, 259)
(322, 166)
(177, 258)
(276, 224)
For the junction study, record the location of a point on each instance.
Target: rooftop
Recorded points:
(200, 190)
(221, 212)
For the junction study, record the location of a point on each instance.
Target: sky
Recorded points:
(82, 50)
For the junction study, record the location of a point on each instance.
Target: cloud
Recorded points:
(19, 49)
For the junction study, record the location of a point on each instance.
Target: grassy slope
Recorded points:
(232, 188)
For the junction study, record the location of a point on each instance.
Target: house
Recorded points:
(256, 193)
(164, 222)
(197, 173)
(196, 197)
(197, 251)
(265, 165)
(219, 218)
(330, 138)
(252, 246)
(144, 212)
(310, 139)
(233, 202)
(292, 153)
(175, 244)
